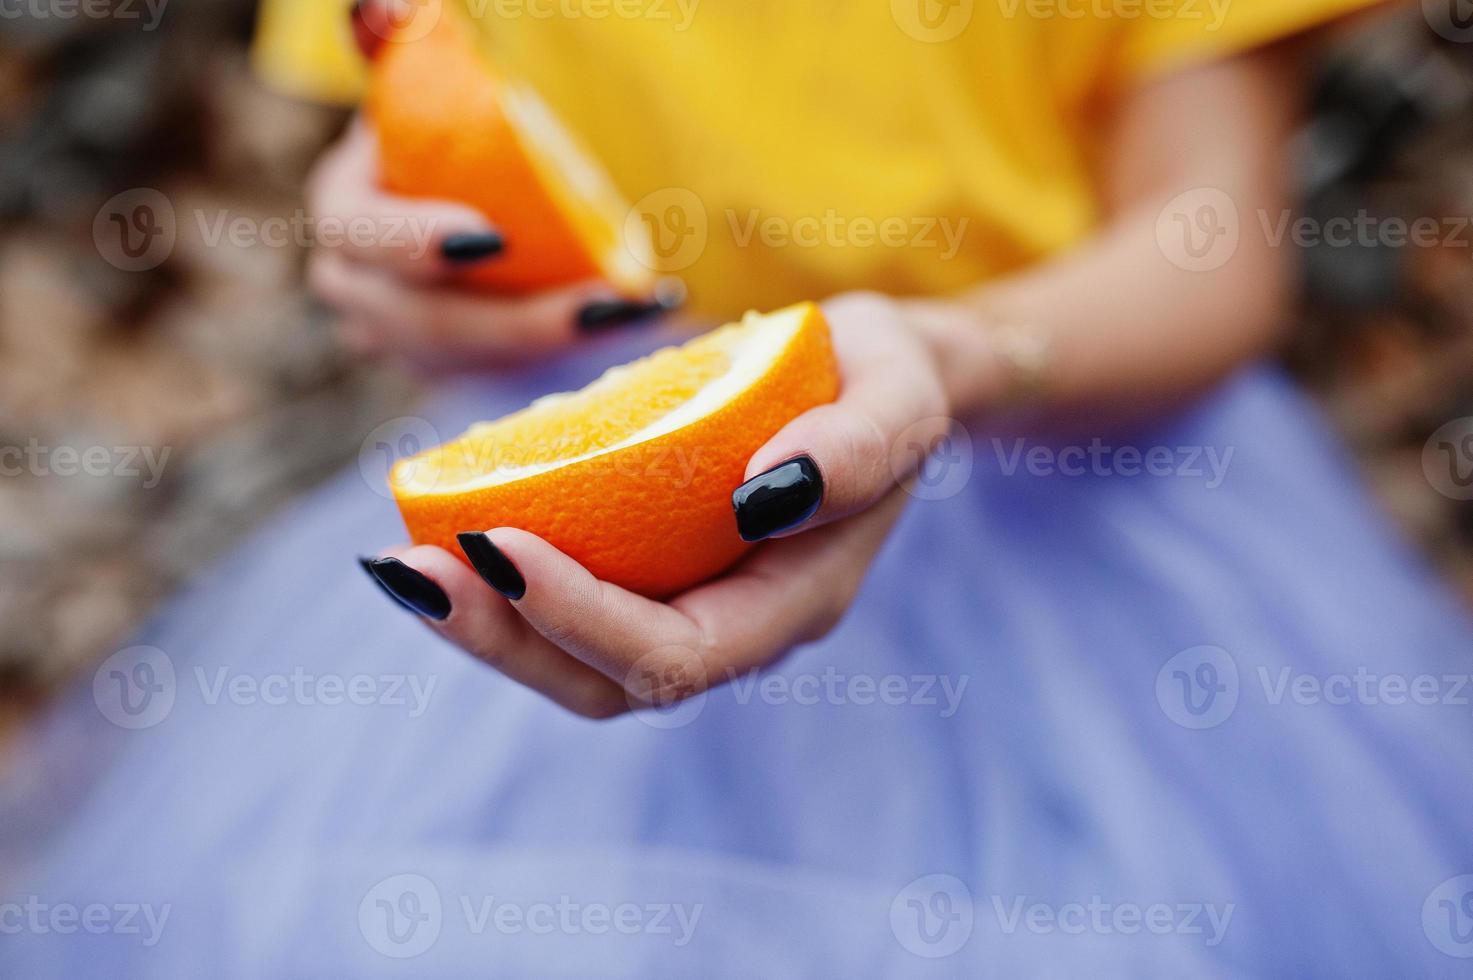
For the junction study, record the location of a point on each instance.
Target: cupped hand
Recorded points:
(391, 267)
(822, 494)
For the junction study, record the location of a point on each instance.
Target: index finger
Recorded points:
(419, 240)
(662, 652)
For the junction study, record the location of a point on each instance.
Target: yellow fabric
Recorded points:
(790, 149)
(305, 48)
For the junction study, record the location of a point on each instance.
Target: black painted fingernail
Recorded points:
(411, 588)
(606, 314)
(367, 565)
(368, 26)
(492, 563)
(472, 247)
(782, 498)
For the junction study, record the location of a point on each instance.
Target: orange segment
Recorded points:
(632, 476)
(450, 128)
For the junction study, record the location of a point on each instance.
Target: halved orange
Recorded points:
(632, 476)
(450, 127)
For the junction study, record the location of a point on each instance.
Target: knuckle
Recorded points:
(865, 457)
(490, 651)
(710, 644)
(420, 310)
(561, 631)
(666, 676)
(564, 624)
(869, 442)
(449, 318)
(539, 326)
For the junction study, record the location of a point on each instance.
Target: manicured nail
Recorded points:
(778, 500)
(472, 247)
(495, 568)
(367, 565)
(411, 588)
(367, 19)
(606, 314)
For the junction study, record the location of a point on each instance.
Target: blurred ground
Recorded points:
(216, 354)
(219, 357)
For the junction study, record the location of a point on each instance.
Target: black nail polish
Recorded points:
(411, 588)
(495, 568)
(367, 565)
(605, 314)
(474, 247)
(782, 498)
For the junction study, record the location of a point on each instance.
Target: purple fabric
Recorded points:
(1069, 728)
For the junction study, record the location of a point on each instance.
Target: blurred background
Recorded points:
(216, 392)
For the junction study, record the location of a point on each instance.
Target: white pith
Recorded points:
(627, 260)
(752, 346)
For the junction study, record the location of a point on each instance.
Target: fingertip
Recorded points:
(409, 586)
(514, 539)
(554, 586)
(416, 237)
(534, 561)
(469, 248)
(779, 499)
(601, 624)
(604, 311)
(804, 435)
(492, 564)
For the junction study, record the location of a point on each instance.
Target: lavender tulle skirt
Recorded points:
(1178, 708)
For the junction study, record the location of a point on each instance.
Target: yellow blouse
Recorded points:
(791, 149)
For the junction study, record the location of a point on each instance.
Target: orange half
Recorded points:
(632, 476)
(450, 127)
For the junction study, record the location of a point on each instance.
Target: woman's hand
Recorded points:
(600, 650)
(390, 265)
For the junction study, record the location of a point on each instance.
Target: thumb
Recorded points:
(835, 460)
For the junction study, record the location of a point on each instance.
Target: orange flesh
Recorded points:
(583, 422)
(632, 476)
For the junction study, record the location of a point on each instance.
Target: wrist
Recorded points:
(987, 362)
